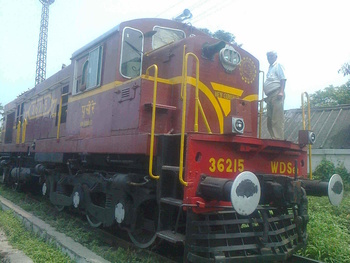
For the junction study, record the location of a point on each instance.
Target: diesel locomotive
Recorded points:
(153, 128)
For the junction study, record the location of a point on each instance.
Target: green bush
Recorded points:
(343, 172)
(326, 169)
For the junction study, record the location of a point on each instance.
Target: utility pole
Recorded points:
(42, 46)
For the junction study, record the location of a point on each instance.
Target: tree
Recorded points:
(331, 96)
(220, 34)
(226, 36)
(345, 69)
(1, 119)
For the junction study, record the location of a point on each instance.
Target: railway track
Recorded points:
(115, 238)
(300, 259)
(164, 252)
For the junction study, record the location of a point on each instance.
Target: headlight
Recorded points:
(306, 137)
(229, 58)
(237, 125)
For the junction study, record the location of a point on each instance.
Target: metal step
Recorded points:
(160, 106)
(171, 168)
(171, 201)
(171, 236)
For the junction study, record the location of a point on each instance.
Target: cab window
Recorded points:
(131, 53)
(166, 36)
(88, 70)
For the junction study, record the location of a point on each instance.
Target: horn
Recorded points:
(186, 14)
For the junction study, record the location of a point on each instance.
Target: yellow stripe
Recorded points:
(95, 91)
(251, 97)
(226, 89)
(175, 80)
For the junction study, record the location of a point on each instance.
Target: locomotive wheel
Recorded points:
(16, 184)
(3, 177)
(144, 233)
(45, 189)
(93, 221)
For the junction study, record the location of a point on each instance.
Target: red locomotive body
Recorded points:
(153, 127)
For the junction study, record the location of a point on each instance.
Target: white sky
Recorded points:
(310, 36)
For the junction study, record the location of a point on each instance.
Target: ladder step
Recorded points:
(171, 201)
(171, 236)
(171, 168)
(160, 106)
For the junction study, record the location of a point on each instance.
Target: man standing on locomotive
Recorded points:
(274, 90)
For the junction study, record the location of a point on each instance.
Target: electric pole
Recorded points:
(42, 46)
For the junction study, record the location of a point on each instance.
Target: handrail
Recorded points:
(24, 129)
(59, 119)
(18, 132)
(309, 124)
(198, 104)
(150, 166)
(183, 120)
(261, 104)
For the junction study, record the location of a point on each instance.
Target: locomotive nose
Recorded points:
(243, 192)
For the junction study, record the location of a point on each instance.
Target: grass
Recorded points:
(329, 230)
(35, 248)
(76, 229)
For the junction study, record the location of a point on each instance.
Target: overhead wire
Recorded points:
(171, 7)
(210, 11)
(194, 6)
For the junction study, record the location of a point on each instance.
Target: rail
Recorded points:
(59, 120)
(18, 135)
(300, 259)
(309, 124)
(150, 167)
(261, 105)
(24, 129)
(198, 106)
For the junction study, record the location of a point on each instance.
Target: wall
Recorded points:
(333, 155)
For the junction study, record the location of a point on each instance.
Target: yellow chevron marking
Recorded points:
(225, 94)
(225, 105)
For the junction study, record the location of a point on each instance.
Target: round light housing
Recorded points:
(245, 193)
(335, 189)
(229, 58)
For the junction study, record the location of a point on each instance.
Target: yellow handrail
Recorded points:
(197, 101)
(309, 125)
(198, 105)
(261, 103)
(59, 119)
(18, 132)
(24, 129)
(183, 121)
(150, 169)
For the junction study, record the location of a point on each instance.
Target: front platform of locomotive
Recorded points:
(244, 197)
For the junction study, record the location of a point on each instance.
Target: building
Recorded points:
(331, 126)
